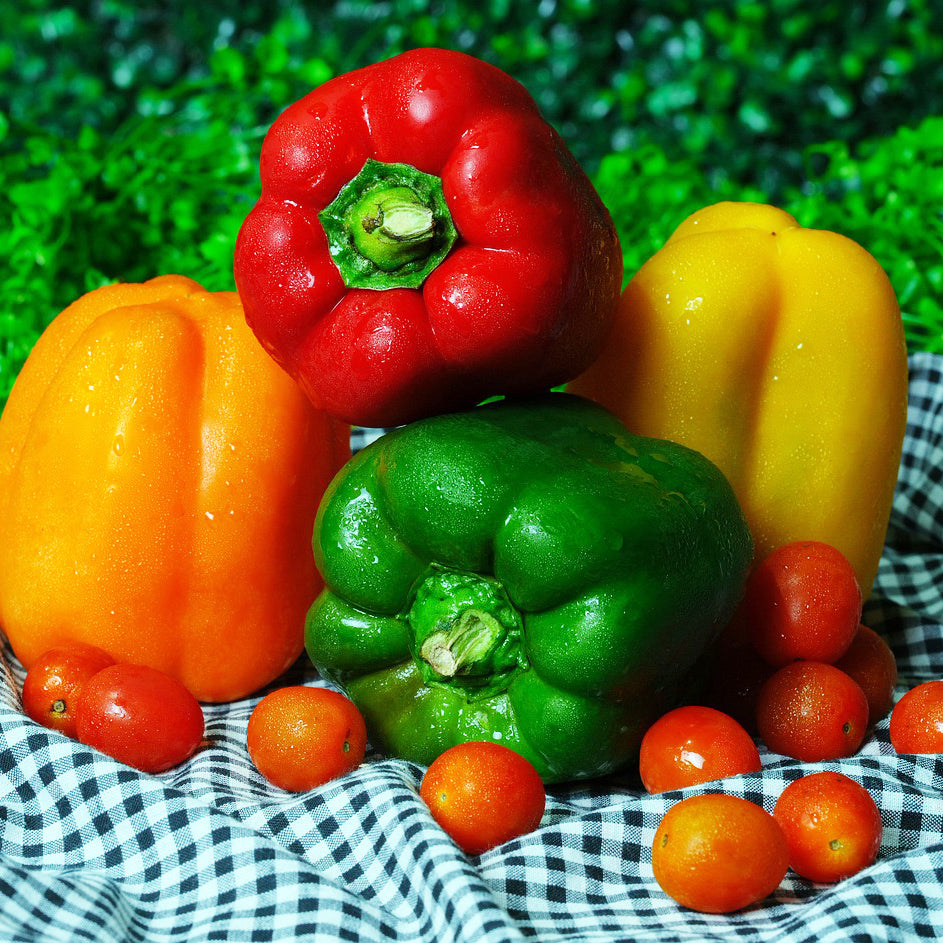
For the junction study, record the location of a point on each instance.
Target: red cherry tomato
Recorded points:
(871, 663)
(832, 826)
(56, 679)
(300, 737)
(140, 716)
(812, 711)
(717, 853)
(692, 745)
(917, 720)
(802, 602)
(482, 795)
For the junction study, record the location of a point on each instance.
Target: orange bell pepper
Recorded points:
(778, 352)
(159, 478)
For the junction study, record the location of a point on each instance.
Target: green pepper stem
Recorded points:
(464, 646)
(466, 632)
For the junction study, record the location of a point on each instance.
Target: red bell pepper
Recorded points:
(424, 240)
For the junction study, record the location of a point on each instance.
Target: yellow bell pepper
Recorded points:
(778, 352)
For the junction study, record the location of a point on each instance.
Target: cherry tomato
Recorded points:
(692, 745)
(802, 602)
(300, 737)
(871, 663)
(56, 679)
(917, 720)
(812, 711)
(482, 795)
(718, 853)
(832, 826)
(139, 716)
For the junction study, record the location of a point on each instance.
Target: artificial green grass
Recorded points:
(137, 156)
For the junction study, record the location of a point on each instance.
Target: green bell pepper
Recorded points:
(527, 572)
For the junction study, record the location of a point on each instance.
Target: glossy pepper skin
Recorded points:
(505, 280)
(778, 352)
(159, 478)
(527, 573)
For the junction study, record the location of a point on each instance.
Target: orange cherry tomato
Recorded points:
(483, 794)
(812, 711)
(832, 826)
(692, 745)
(718, 853)
(139, 716)
(55, 680)
(802, 602)
(871, 663)
(917, 720)
(300, 737)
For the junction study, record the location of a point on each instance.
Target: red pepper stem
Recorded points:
(389, 227)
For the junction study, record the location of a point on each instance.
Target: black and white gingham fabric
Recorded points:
(91, 850)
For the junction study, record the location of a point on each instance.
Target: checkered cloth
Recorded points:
(92, 850)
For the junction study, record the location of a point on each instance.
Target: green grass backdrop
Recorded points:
(129, 133)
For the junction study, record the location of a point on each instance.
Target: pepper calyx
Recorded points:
(467, 634)
(388, 227)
